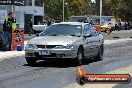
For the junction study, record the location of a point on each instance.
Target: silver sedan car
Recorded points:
(65, 40)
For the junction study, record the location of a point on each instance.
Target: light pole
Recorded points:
(63, 10)
(100, 11)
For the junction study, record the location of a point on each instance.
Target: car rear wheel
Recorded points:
(100, 54)
(34, 31)
(31, 61)
(80, 56)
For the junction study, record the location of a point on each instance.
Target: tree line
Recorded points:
(119, 8)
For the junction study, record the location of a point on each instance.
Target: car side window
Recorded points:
(87, 29)
(93, 32)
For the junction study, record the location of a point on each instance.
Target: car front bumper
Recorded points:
(54, 53)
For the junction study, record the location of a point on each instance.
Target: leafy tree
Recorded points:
(53, 8)
(117, 8)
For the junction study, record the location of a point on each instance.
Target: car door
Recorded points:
(95, 41)
(88, 46)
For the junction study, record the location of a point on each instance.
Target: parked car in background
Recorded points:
(39, 28)
(105, 27)
(66, 40)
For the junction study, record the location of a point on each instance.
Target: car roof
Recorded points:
(70, 23)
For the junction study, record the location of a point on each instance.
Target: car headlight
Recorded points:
(64, 47)
(69, 46)
(31, 46)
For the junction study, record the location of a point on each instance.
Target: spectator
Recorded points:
(30, 27)
(91, 22)
(49, 23)
(116, 27)
(119, 27)
(122, 25)
(129, 26)
(8, 26)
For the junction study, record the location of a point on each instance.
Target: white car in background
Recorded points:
(39, 28)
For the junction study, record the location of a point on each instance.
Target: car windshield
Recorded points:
(62, 30)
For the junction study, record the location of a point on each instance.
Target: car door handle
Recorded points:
(91, 41)
(91, 47)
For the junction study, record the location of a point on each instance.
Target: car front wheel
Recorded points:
(34, 31)
(80, 56)
(31, 61)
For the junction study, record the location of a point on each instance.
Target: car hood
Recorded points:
(54, 40)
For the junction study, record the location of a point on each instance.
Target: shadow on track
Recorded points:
(60, 63)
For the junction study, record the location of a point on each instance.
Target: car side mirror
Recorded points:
(37, 34)
(87, 36)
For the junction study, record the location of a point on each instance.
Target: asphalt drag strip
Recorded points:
(17, 74)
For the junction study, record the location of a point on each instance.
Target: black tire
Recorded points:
(81, 80)
(80, 56)
(34, 32)
(31, 61)
(99, 57)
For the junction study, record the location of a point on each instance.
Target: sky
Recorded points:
(93, 1)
